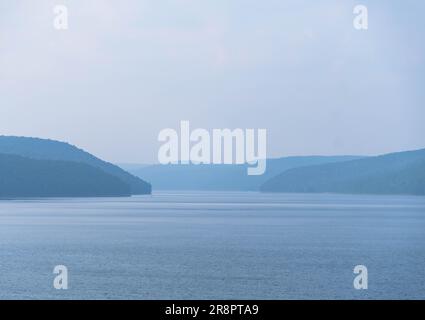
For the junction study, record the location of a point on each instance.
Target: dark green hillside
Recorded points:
(394, 173)
(23, 177)
(44, 149)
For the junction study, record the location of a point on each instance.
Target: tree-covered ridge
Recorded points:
(394, 173)
(44, 149)
(25, 177)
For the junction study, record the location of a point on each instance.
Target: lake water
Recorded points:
(206, 245)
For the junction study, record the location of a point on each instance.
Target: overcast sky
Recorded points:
(127, 69)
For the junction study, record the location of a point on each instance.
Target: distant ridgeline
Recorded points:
(32, 167)
(394, 173)
(223, 177)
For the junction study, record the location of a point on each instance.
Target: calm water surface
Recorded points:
(204, 245)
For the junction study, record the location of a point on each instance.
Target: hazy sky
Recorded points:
(127, 69)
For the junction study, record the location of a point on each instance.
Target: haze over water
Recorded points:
(213, 245)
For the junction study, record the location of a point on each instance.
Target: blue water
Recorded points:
(188, 245)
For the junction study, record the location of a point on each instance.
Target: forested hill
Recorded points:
(23, 177)
(44, 149)
(394, 173)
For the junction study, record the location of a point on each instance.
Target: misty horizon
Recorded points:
(268, 158)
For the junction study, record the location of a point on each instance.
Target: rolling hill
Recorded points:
(44, 149)
(394, 173)
(23, 177)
